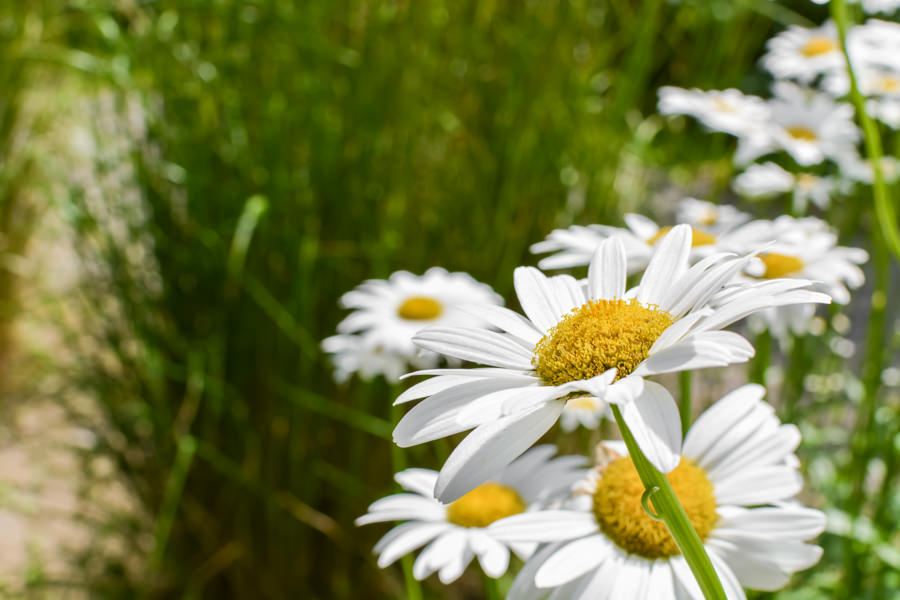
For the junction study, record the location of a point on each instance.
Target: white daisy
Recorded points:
(457, 532)
(575, 246)
(584, 411)
(880, 85)
(736, 480)
(809, 126)
(803, 53)
(579, 340)
(730, 111)
(714, 218)
(388, 313)
(860, 169)
(768, 179)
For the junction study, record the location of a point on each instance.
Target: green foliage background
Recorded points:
(292, 150)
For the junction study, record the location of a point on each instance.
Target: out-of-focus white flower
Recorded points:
(599, 339)
(714, 218)
(376, 338)
(768, 179)
(808, 125)
(729, 110)
(859, 169)
(458, 532)
(803, 53)
(736, 480)
(585, 411)
(725, 231)
(880, 85)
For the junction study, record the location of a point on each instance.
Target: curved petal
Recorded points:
(607, 271)
(669, 261)
(475, 345)
(573, 560)
(654, 422)
(544, 526)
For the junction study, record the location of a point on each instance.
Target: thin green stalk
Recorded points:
(398, 461)
(492, 588)
(763, 357)
(684, 407)
(669, 509)
(884, 209)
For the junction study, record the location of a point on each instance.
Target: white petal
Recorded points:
(492, 555)
(507, 320)
(733, 589)
(669, 261)
(685, 579)
(600, 586)
(573, 560)
(537, 298)
(459, 559)
(759, 486)
(659, 584)
(430, 387)
(523, 587)
(607, 271)
(420, 481)
(656, 426)
(402, 507)
(769, 522)
(475, 345)
(492, 446)
(632, 580)
(408, 540)
(719, 418)
(543, 526)
(676, 331)
(495, 405)
(698, 351)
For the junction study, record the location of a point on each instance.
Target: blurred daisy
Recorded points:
(880, 85)
(714, 218)
(586, 411)
(594, 339)
(377, 336)
(809, 126)
(736, 480)
(729, 110)
(860, 169)
(768, 179)
(457, 532)
(713, 229)
(803, 53)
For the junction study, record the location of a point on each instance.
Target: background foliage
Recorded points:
(247, 162)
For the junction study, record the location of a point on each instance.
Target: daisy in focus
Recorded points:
(584, 340)
(736, 480)
(376, 338)
(457, 532)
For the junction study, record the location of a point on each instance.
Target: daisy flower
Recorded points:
(457, 532)
(880, 85)
(377, 335)
(715, 218)
(736, 479)
(803, 53)
(807, 125)
(729, 110)
(585, 411)
(768, 179)
(596, 339)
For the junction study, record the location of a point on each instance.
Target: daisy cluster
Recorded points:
(802, 141)
(656, 300)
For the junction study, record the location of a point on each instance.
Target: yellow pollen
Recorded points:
(888, 84)
(618, 510)
(601, 335)
(585, 402)
(698, 237)
(805, 181)
(818, 45)
(799, 132)
(780, 265)
(485, 504)
(420, 308)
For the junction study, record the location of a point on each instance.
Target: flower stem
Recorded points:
(884, 210)
(491, 588)
(684, 406)
(669, 509)
(413, 587)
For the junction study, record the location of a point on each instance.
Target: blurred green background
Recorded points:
(211, 176)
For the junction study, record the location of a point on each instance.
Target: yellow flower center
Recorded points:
(582, 403)
(618, 510)
(485, 504)
(420, 308)
(601, 335)
(807, 182)
(722, 106)
(887, 84)
(818, 45)
(780, 265)
(798, 132)
(698, 237)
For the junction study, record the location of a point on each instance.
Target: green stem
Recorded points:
(670, 510)
(884, 210)
(398, 462)
(491, 588)
(763, 357)
(684, 407)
